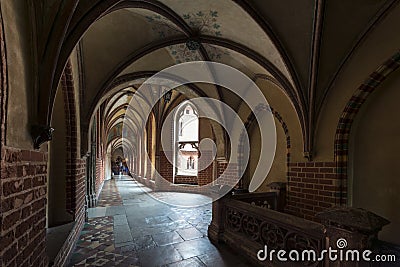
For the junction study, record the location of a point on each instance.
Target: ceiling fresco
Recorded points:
(204, 22)
(310, 47)
(234, 24)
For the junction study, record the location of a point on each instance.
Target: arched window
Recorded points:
(186, 140)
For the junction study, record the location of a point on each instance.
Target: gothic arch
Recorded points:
(250, 120)
(68, 90)
(353, 106)
(77, 25)
(3, 84)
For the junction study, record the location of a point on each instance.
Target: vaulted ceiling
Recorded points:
(301, 45)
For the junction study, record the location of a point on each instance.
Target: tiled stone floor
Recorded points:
(109, 195)
(131, 228)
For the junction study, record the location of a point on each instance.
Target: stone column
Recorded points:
(351, 229)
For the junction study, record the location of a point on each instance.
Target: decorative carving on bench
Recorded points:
(267, 233)
(243, 225)
(233, 219)
(262, 204)
(251, 227)
(272, 236)
(300, 242)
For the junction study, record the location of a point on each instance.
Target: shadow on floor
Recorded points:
(134, 229)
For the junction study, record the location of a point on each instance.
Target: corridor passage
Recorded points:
(131, 228)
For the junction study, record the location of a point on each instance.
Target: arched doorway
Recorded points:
(186, 134)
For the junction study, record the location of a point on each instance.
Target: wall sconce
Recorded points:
(308, 155)
(41, 134)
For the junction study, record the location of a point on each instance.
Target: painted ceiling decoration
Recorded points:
(297, 44)
(203, 22)
(162, 26)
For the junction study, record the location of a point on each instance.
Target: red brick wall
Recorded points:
(77, 174)
(186, 180)
(99, 175)
(76, 182)
(166, 168)
(23, 208)
(312, 187)
(227, 174)
(205, 176)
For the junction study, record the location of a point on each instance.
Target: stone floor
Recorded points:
(133, 226)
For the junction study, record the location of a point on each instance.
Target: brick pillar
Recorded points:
(76, 184)
(205, 176)
(227, 172)
(99, 176)
(79, 215)
(166, 171)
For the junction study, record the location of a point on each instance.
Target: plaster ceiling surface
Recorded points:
(124, 99)
(225, 19)
(119, 99)
(292, 22)
(128, 122)
(220, 19)
(164, 28)
(113, 98)
(117, 131)
(161, 26)
(120, 120)
(110, 40)
(120, 33)
(343, 23)
(117, 114)
(309, 39)
(236, 60)
(154, 61)
(161, 59)
(145, 65)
